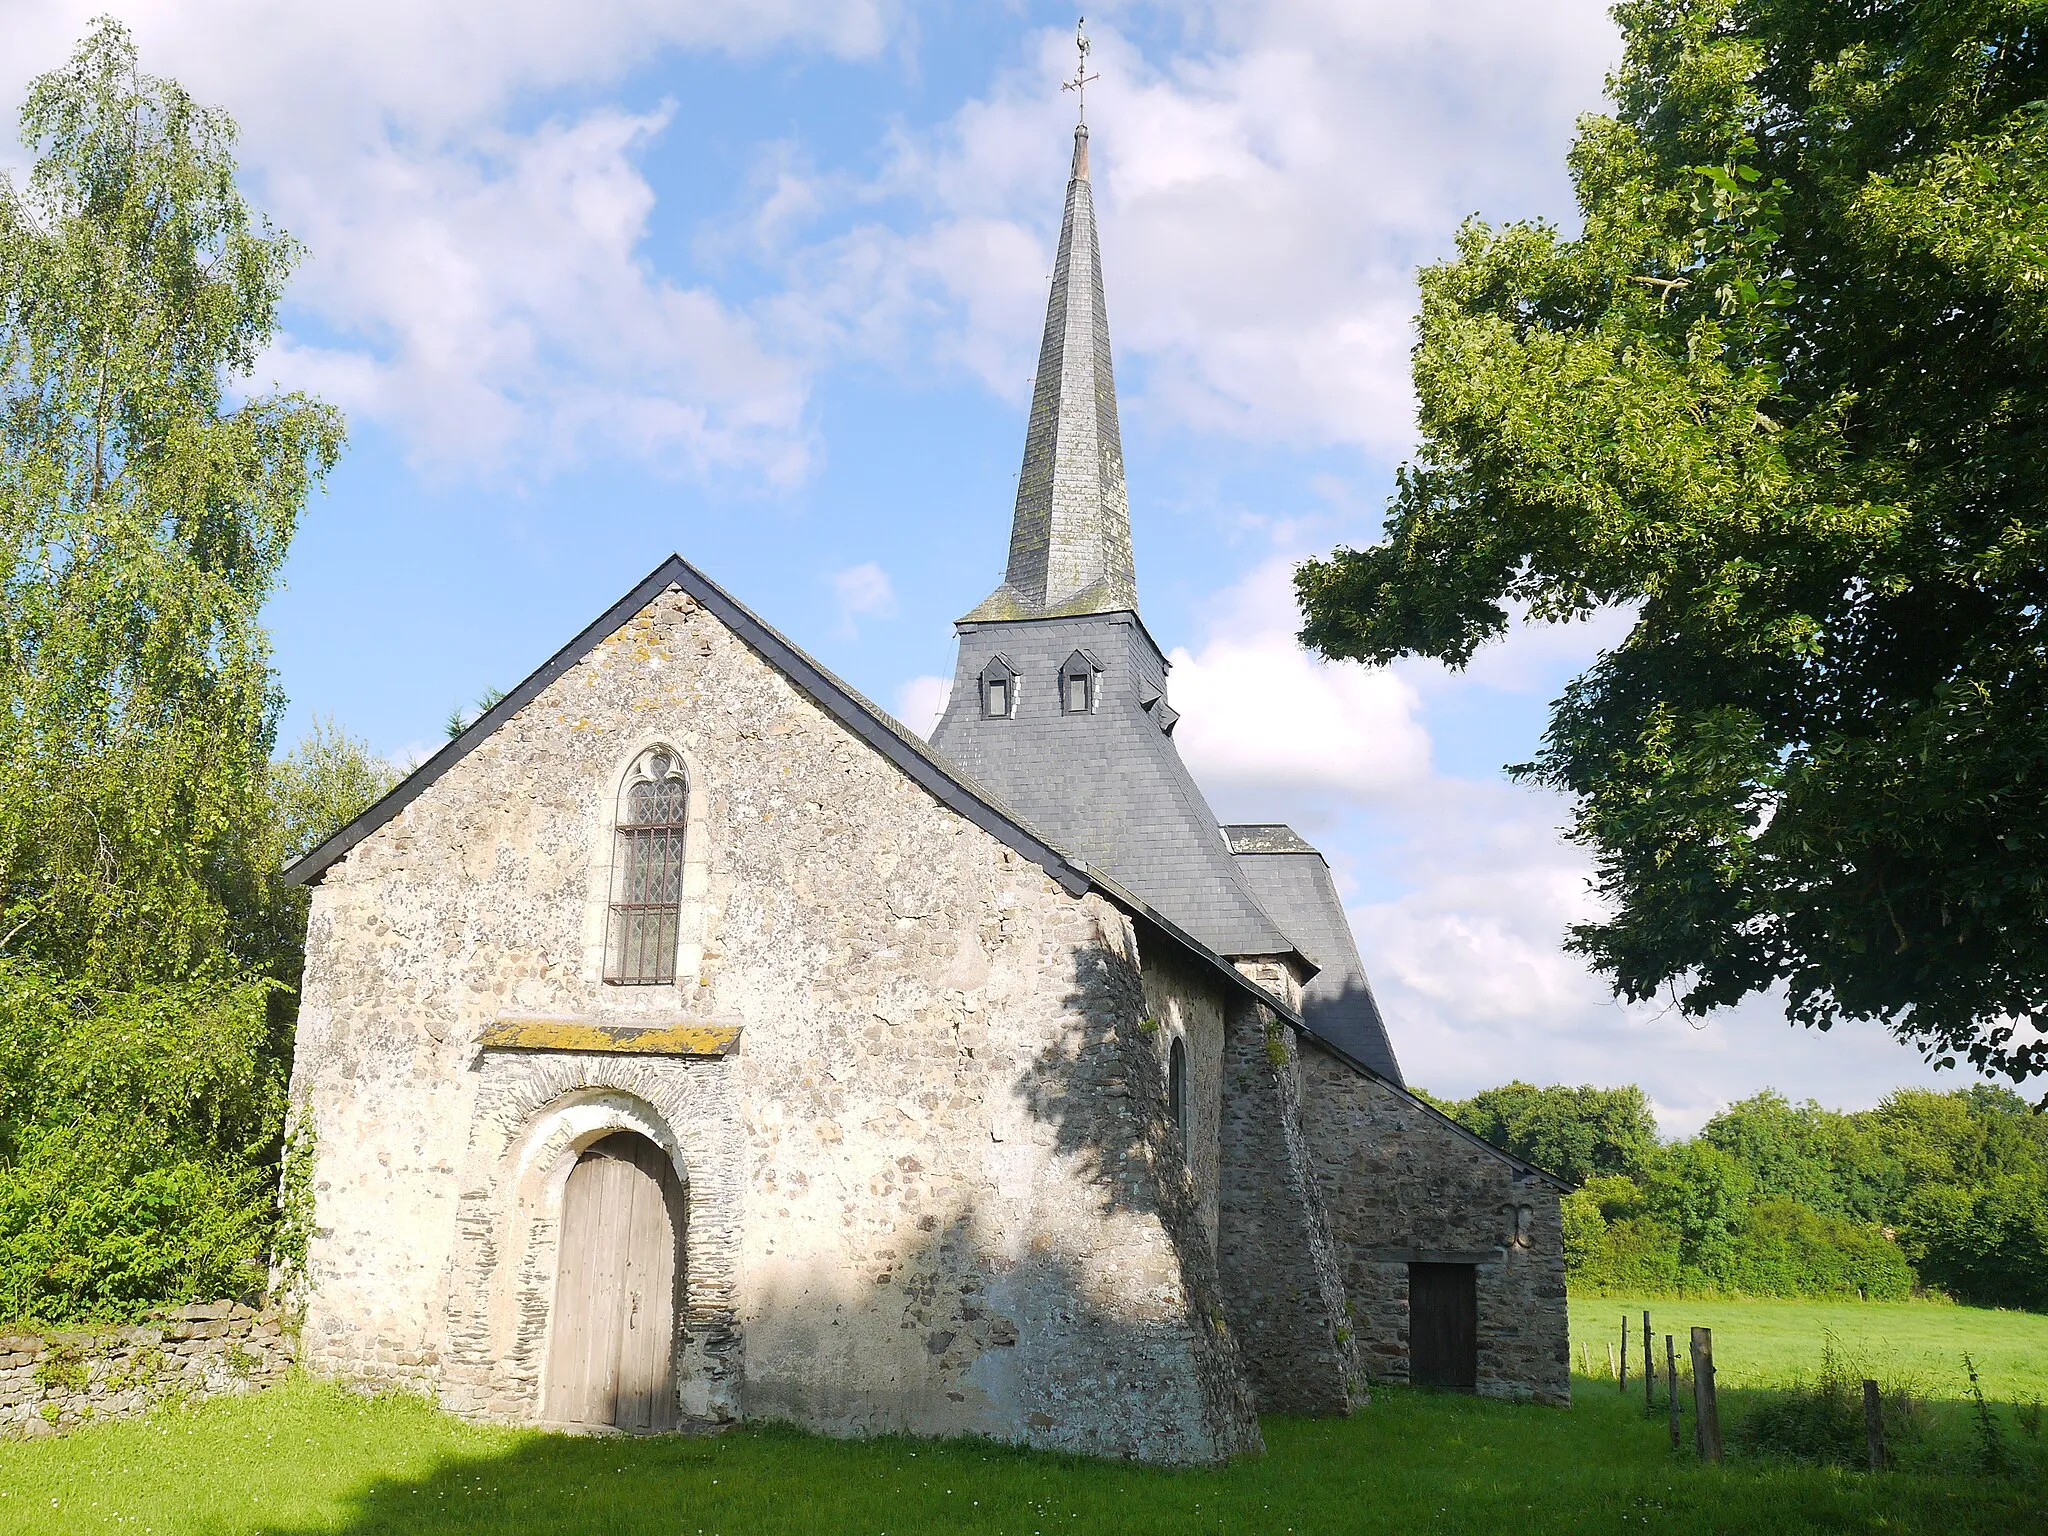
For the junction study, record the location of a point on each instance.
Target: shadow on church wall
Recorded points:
(1055, 1283)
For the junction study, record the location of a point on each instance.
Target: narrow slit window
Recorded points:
(647, 902)
(1177, 1091)
(999, 696)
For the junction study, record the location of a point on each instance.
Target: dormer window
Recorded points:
(1153, 702)
(1078, 680)
(999, 690)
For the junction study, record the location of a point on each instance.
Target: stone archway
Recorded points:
(618, 1287)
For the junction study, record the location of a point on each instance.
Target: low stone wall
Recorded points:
(51, 1382)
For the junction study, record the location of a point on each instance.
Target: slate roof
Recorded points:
(1292, 881)
(944, 781)
(1070, 538)
(1109, 786)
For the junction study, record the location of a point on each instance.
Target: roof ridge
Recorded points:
(930, 769)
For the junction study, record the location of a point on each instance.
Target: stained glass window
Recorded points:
(647, 876)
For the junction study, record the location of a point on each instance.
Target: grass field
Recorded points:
(1768, 1343)
(308, 1458)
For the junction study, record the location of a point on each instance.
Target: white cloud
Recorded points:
(863, 592)
(492, 343)
(1268, 178)
(479, 286)
(1266, 186)
(427, 68)
(921, 701)
(1469, 966)
(1269, 730)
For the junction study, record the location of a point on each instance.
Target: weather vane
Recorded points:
(1079, 84)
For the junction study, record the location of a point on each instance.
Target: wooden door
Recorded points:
(613, 1358)
(1443, 1326)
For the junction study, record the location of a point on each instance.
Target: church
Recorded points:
(687, 1042)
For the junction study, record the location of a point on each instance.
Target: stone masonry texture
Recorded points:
(51, 1382)
(1282, 1284)
(1403, 1185)
(934, 1188)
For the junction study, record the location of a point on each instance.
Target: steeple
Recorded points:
(1070, 538)
(1059, 693)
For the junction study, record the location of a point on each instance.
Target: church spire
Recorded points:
(1070, 539)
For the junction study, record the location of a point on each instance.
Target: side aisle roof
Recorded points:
(1292, 881)
(871, 724)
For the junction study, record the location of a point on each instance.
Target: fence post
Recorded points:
(1621, 1377)
(1873, 1425)
(1671, 1385)
(1649, 1368)
(1706, 1426)
(1610, 1357)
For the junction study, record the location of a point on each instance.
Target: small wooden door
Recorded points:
(613, 1358)
(1443, 1326)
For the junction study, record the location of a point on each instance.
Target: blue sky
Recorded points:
(762, 282)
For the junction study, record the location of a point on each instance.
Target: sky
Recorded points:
(760, 282)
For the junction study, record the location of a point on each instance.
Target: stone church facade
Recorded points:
(688, 1042)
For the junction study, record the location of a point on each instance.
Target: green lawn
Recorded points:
(307, 1458)
(1767, 1343)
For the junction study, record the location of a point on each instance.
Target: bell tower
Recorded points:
(1059, 695)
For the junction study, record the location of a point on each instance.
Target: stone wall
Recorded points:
(923, 1192)
(1282, 1284)
(50, 1382)
(1183, 1001)
(1403, 1185)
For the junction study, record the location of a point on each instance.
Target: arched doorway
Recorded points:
(618, 1276)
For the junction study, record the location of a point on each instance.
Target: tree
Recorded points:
(137, 1135)
(146, 506)
(324, 783)
(1826, 1161)
(144, 516)
(1784, 401)
(1575, 1133)
(1701, 1193)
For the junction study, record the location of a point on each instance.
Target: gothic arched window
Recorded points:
(647, 873)
(1177, 1089)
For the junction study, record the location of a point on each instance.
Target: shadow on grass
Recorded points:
(1411, 1461)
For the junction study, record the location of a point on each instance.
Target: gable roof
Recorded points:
(943, 781)
(1521, 1165)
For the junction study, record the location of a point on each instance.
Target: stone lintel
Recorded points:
(573, 1034)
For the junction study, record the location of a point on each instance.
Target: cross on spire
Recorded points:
(1070, 537)
(1079, 84)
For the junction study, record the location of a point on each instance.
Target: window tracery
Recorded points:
(647, 873)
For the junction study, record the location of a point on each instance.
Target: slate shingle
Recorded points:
(1292, 882)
